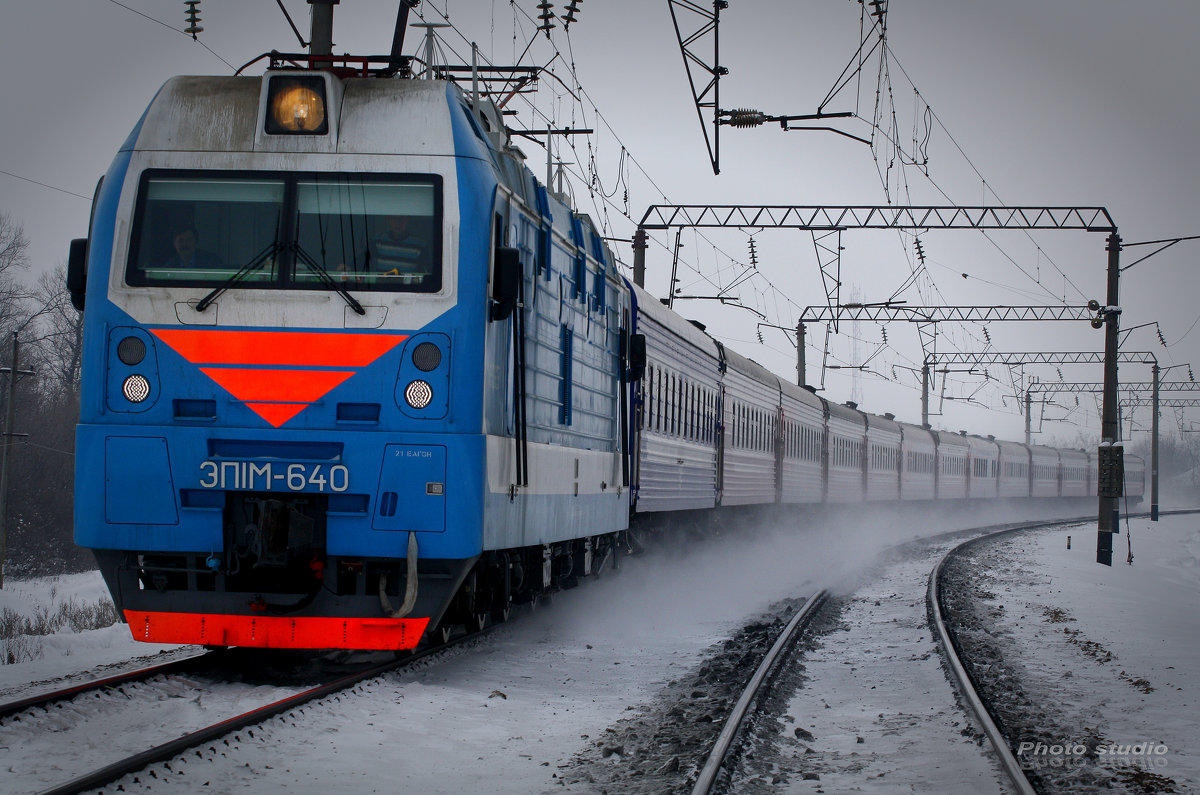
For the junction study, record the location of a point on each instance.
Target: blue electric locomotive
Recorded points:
(310, 416)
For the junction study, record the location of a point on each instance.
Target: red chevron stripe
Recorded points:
(286, 348)
(277, 413)
(294, 386)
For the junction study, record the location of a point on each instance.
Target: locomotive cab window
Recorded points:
(199, 231)
(361, 232)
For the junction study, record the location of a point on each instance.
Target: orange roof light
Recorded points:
(296, 106)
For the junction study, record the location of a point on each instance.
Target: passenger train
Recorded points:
(352, 376)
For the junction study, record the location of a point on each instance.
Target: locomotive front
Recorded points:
(287, 292)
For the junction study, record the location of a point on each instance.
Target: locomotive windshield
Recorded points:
(367, 232)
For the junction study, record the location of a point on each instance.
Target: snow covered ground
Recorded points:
(517, 711)
(1106, 661)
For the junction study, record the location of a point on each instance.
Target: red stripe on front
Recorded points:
(277, 413)
(287, 348)
(283, 386)
(276, 632)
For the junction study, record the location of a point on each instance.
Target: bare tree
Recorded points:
(13, 258)
(55, 338)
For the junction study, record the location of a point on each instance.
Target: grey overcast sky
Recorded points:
(1068, 102)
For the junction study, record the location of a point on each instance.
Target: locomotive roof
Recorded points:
(221, 114)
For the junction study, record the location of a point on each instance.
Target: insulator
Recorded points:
(760, 337)
(921, 250)
(1161, 338)
(546, 16)
(753, 255)
(1191, 377)
(192, 19)
(572, 10)
(745, 117)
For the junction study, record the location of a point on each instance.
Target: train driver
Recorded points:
(187, 252)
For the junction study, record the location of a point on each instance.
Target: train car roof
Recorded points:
(801, 395)
(876, 421)
(951, 439)
(982, 443)
(845, 412)
(651, 307)
(910, 431)
(749, 367)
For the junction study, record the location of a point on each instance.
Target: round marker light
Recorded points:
(427, 357)
(418, 394)
(131, 350)
(136, 388)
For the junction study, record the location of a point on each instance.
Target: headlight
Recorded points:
(136, 388)
(296, 105)
(418, 394)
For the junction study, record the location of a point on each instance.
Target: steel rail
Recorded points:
(962, 679)
(172, 748)
(716, 758)
(49, 697)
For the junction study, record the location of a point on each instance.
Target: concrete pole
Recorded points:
(1154, 448)
(639, 257)
(800, 354)
(925, 395)
(10, 415)
(1028, 418)
(1110, 432)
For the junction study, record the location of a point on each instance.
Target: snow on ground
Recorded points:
(1111, 654)
(871, 708)
(511, 713)
(39, 660)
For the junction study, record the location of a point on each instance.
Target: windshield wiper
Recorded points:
(325, 278)
(250, 267)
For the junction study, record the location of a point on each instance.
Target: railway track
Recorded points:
(883, 613)
(715, 764)
(958, 672)
(183, 672)
(45, 699)
(1002, 726)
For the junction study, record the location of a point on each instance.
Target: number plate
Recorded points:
(273, 476)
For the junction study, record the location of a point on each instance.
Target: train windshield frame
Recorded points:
(287, 230)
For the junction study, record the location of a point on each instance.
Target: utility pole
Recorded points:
(1110, 452)
(5, 457)
(800, 354)
(1154, 448)
(1028, 418)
